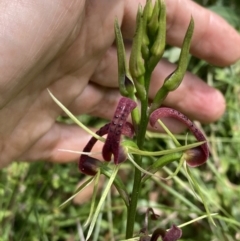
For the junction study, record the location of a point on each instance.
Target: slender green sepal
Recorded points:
(79, 189)
(176, 142)
(197, 219)
(199, 192)
(101, 201)
(182, 160)
(73, 118)
(120, 186)
(133, 150)
(93, 199)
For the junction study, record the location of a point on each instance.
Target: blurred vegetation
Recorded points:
(30, 194)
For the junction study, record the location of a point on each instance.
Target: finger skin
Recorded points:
(59, 144)
(214, 40)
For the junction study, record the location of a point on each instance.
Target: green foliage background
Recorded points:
(30, 194)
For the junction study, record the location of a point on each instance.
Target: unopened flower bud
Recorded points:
(153, 23)
(136, 63)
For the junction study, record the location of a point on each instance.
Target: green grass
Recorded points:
(30, 194)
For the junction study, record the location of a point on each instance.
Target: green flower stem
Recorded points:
(137, 174)
(141, 132)
(134, 199)
(147, 49)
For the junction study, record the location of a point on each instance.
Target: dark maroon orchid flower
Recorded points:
(195, 156)
(119, 126)
(173, 234)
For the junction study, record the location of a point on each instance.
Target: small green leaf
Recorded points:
(73, 118)
(199, 192)
(93, 199)
(118, 184)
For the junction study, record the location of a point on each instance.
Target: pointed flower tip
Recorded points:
(195, 157)
(122, 155)
(90, 166)
(129, 86)
(173, 234)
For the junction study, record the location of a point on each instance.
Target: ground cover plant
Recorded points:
(32, 193)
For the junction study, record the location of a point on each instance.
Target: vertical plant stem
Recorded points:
(137, 173)
(134, 199)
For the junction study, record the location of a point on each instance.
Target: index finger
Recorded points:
(214, 40)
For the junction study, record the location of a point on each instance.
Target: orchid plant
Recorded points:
(134, 80)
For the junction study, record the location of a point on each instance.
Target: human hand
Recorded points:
(67, 46)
